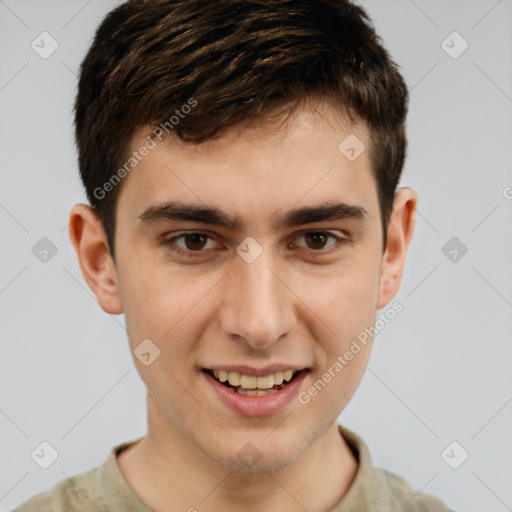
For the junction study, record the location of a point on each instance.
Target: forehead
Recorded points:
(251, 173)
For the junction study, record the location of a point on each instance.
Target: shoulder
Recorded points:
(403, 496)
(78, 492)
(375, 488)
(102, 488)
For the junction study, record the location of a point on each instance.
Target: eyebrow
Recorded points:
(178, 210)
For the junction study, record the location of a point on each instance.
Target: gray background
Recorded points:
(440, 371)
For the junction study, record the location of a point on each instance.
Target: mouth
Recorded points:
(250, 385)
(249, 391)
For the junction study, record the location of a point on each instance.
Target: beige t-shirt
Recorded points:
(104, 489)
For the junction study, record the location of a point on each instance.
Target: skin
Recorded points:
(285, 307)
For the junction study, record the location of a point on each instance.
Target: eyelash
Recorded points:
(169, 242)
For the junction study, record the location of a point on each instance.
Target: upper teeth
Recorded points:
(252, 382)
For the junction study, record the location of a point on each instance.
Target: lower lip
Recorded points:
(257, 405)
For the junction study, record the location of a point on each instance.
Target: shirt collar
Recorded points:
(114, 487)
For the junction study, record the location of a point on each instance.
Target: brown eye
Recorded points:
(316, 242)
(196, 241)
(317, 239)
(190, 244)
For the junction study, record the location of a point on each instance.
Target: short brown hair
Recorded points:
(238, 60)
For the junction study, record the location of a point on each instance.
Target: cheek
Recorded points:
(344, 299)
(167, 308)
(345, 303)
(165, 312)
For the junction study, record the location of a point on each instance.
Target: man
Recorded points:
(241, 159)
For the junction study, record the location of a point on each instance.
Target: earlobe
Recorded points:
(400, 231)
(90, 242)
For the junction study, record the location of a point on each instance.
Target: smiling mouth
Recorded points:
(250, 385)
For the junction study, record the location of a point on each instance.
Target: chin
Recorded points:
(257, 454)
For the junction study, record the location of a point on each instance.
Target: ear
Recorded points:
(90, 242)
(400, 230)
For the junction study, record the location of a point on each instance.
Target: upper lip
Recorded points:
(256, 372)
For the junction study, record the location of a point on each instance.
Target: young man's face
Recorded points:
(258, 300)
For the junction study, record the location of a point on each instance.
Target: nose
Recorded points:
(258, 307)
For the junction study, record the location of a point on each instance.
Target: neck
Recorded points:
(166, 468)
